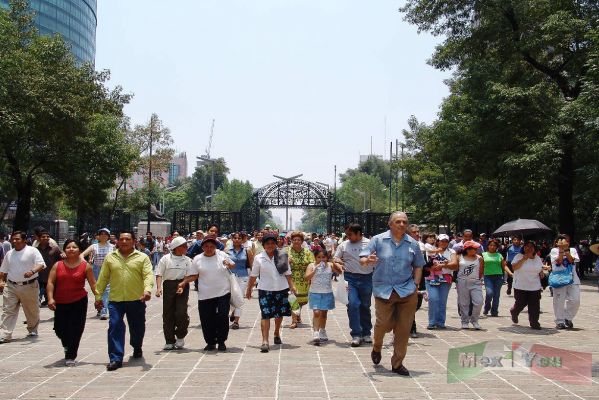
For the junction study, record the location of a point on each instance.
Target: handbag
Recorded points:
(281, 260)
(236, 295)
(562, 277)
(340, 291)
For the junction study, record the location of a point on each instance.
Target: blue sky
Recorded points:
(295, 86)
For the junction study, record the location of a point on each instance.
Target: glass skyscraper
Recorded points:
(75, 20)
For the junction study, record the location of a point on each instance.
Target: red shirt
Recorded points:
(70, 283)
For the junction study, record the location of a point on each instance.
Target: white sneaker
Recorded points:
(32, 334)
(465, 325)
(69, 363)
(179, 343)
(476, 326)
(316, 338)
(169, 346)
(323, 335)
(367, 339)
(356, 341)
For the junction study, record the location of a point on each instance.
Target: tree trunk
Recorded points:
(566, 188)
(23, 214)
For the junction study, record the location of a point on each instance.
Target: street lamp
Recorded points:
(363, 194)
(205, 160)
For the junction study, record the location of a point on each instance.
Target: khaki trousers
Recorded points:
(26, 296)
(395, 314)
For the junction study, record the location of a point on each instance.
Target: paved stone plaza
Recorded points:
(32, 369)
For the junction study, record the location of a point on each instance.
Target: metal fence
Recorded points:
(189, 221)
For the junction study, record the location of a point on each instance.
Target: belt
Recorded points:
(23, 283)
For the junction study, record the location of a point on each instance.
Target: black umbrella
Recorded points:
(521, 227)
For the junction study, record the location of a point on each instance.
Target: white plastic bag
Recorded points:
(236, 295)
(340, 291)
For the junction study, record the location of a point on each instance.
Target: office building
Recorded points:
(74, 20)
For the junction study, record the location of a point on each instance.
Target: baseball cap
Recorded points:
(443, 237)
(471, 244)
(105, 230)
(210, 238)
(176, 242)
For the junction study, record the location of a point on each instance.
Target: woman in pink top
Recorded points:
(68, 298)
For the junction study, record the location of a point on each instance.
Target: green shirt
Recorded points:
(493, 263)
(128, 277)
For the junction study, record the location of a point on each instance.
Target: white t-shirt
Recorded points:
(213, 275)
(555, 252)
(447, 254)
(527, 276)
(173, 268)
(429, 248)
(270, 279)
(17, 263)
(349, 253)
(329, 244)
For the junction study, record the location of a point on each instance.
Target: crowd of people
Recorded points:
(399, 268)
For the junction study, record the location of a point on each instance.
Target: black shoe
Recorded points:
(536, 327)
(234, 326)
(138, 353)
(376, 357)
(508, 292)
(401, 370)
(114, 365)
(232, 317)
(209, 347)
(431, 327)
(278, 340)
(264, 348)
(569, 324)
(222, 347)
(561, 326)
(514, 317)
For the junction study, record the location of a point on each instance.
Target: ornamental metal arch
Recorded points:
(288, 193)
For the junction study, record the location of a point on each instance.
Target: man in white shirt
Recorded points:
(19, 284)
(359, 281)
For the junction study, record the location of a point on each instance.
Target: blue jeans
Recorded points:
(358, 309)
(437, 303)
(493, 284)
(136, 319)
(104, 310)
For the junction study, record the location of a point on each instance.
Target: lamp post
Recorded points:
(364, 196)
(205, 160)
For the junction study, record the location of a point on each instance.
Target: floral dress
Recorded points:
(299, 261)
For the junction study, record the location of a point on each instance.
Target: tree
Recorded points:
(232, 195)
(200, 182)
(314, 220)
(372, 166)
(48, 106)
(362, 191)
(518, 54)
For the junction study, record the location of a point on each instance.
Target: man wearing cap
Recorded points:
(18, 283)
(97, 253)
(171, 270)
(129, 273)
(397, 262)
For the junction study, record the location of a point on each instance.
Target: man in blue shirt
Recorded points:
(397, 262)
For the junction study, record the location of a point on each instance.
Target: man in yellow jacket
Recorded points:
(129, 274)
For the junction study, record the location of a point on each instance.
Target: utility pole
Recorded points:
(396, 176)
(403, 203)
(150, 172)
(390, 172)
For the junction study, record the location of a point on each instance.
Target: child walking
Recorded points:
(320, 296)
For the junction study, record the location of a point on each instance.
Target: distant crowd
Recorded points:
(288, 271)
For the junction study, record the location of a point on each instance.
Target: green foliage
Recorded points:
(314, 220)
(52, 113)
(200, 182)
(362, 191)
(516, 137)
(231, 195)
